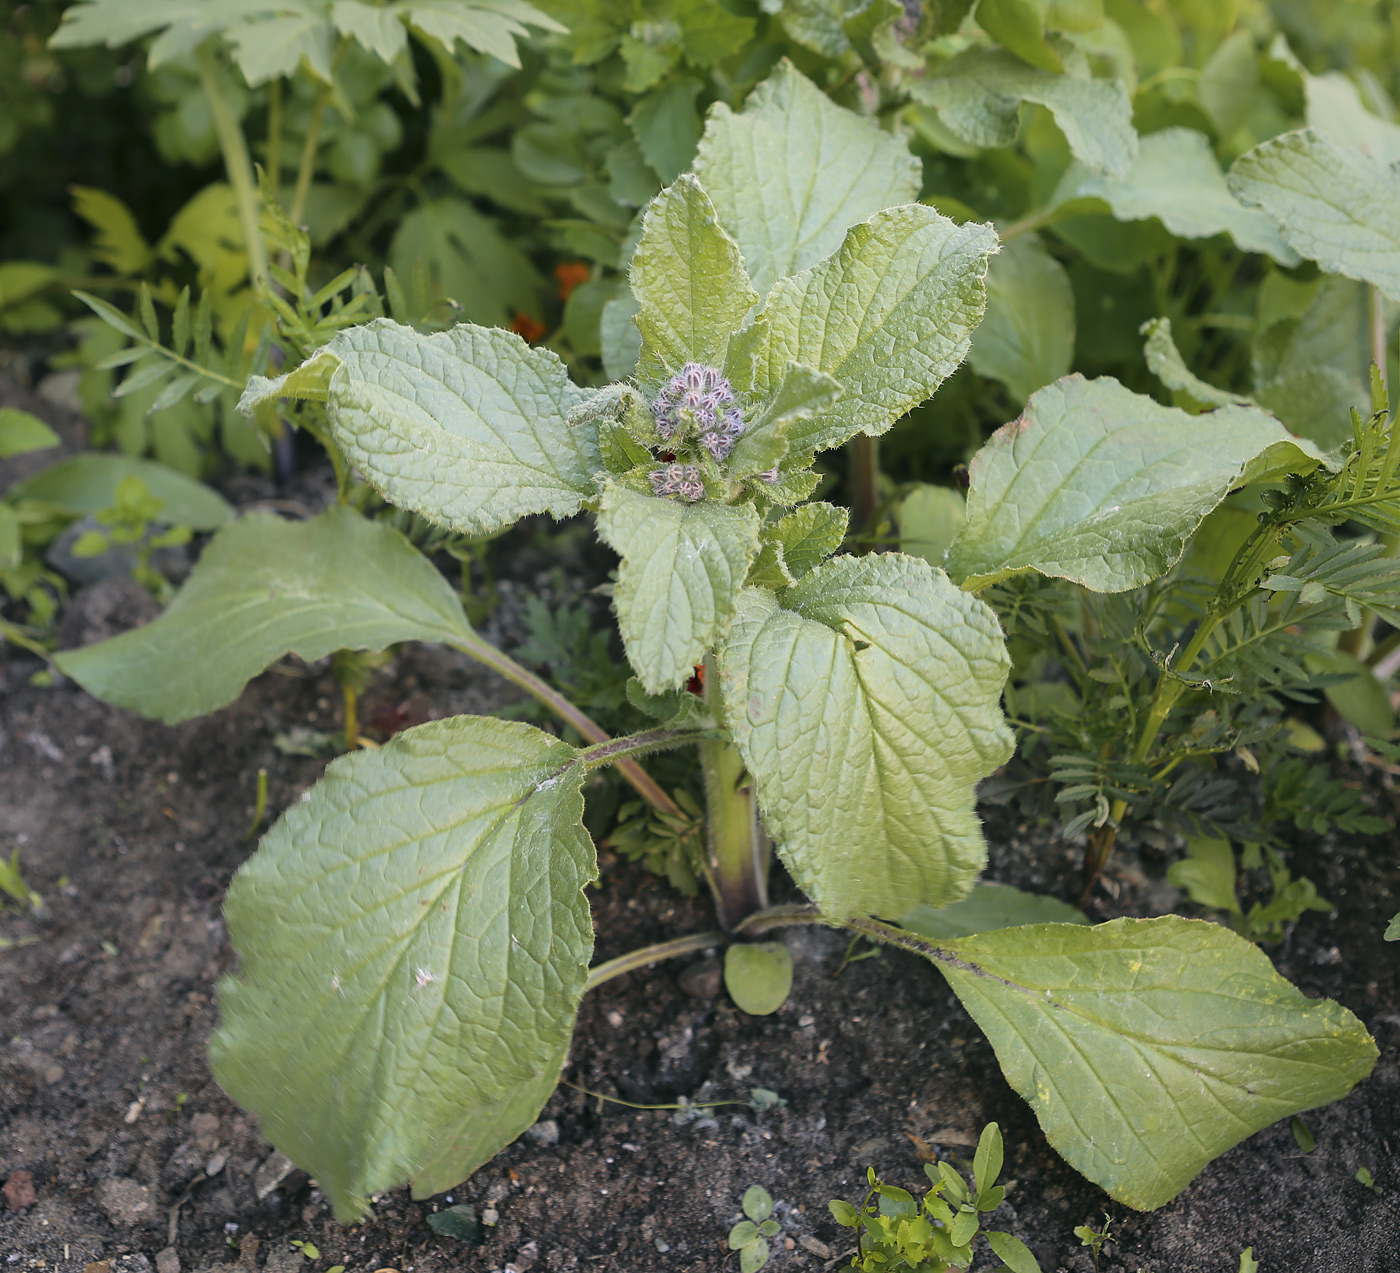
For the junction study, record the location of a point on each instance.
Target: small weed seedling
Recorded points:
(895, 1232)
(13, 886)
(130, 522)
(414, 935)
(1094, 1239)
(750, 1236)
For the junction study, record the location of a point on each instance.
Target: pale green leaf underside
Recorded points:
(989, 906)
(691, 289)
(1176, 179)
(1334, 205)
(791, 171)
(466, 427)
(264, 588)
(866, 707)
(682, 568)
(1165, 362)
(87, 483)
(1149, 1047)
(1027, 338)
(1103, 486)
(979, 93)
(889, 316)
(414, 942)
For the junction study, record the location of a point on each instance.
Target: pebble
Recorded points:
(19, 1190)
(215, 1164)
(125, 1201)
(545, 1132)
(702, 980)
(167, 1261)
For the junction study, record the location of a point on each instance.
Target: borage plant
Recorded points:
(414, 936)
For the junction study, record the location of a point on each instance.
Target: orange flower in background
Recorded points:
(530, 328)
(570, 274)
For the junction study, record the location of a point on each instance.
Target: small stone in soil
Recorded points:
(125, 1201)
(19, 1190)
(167, 1261)
(702, 980)
(545, 1132)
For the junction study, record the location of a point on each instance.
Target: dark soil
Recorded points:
(119, 1153)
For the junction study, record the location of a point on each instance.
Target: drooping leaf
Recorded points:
(989, 906)
(467, 426)
(689, 281)
(263, 588)
(889, 316)
(274, 46)
(866, 707)
(1027, 338)
(414, 942)
(1165, 362)
(790, 172)
(491, 26)
(1333, 204)
(978, 96)
(1175, 178)
(1103, 486)
(21, 433)
(682, 567)
(86, 484)
(379, 30)
(758, 976)
(1148, 1047)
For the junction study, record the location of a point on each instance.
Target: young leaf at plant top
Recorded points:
(865, 704)
(1103, 486)
(1149, 1047)
(263, 588)
(414, 943)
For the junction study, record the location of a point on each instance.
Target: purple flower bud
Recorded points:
(717, 444)
(733, 422)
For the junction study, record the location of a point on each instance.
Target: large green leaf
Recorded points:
(1333, 204)
(414, 942)
(890, 316)
(987, 907)
(87, 483)
(1103, 486)
(682, 568)
(689, 281)
(264, 588)
(791, 171)
(866, 707)
(1176, 179)
(466, 427)
(1148, 1047)
(978, 96)
(1027, 338)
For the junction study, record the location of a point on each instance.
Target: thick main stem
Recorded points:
(499, 661)
(237, 163)
(737, 849)
(865, 482)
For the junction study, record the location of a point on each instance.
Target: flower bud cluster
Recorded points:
(700, 397)
(679, 479)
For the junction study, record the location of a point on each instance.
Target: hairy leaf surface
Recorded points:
(263, 588)
(689, 281)
(1148, 1047)
(1333, 204)
(890, 316)
(414, 942)
(791, 171)
(1176, 179)
(978, 96)
(467, 427)
(866, 707)
(1103, 486)
(682, 568)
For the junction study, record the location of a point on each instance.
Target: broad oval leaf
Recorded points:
(414, 942)
(1176, 179)
(87, 483)
(1148, 1047)
(889, 316)
(466, 427)
(691, 289)
(790, 172)
(263, 588)
(682, 568)
(866, 708)
(1103, 486)
(1332, 203)
(978, 96)
(758, 976)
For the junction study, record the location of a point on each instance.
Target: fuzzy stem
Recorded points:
(499, 661)
(236, 162)
(865, 482)
(351, 698)
(648, 955)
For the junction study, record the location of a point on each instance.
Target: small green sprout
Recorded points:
(750, 1237)
(12, 885)
(128, 523)
(1363, 1174)
(1094, 1238)
(893, 1232)
(309, 1249)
